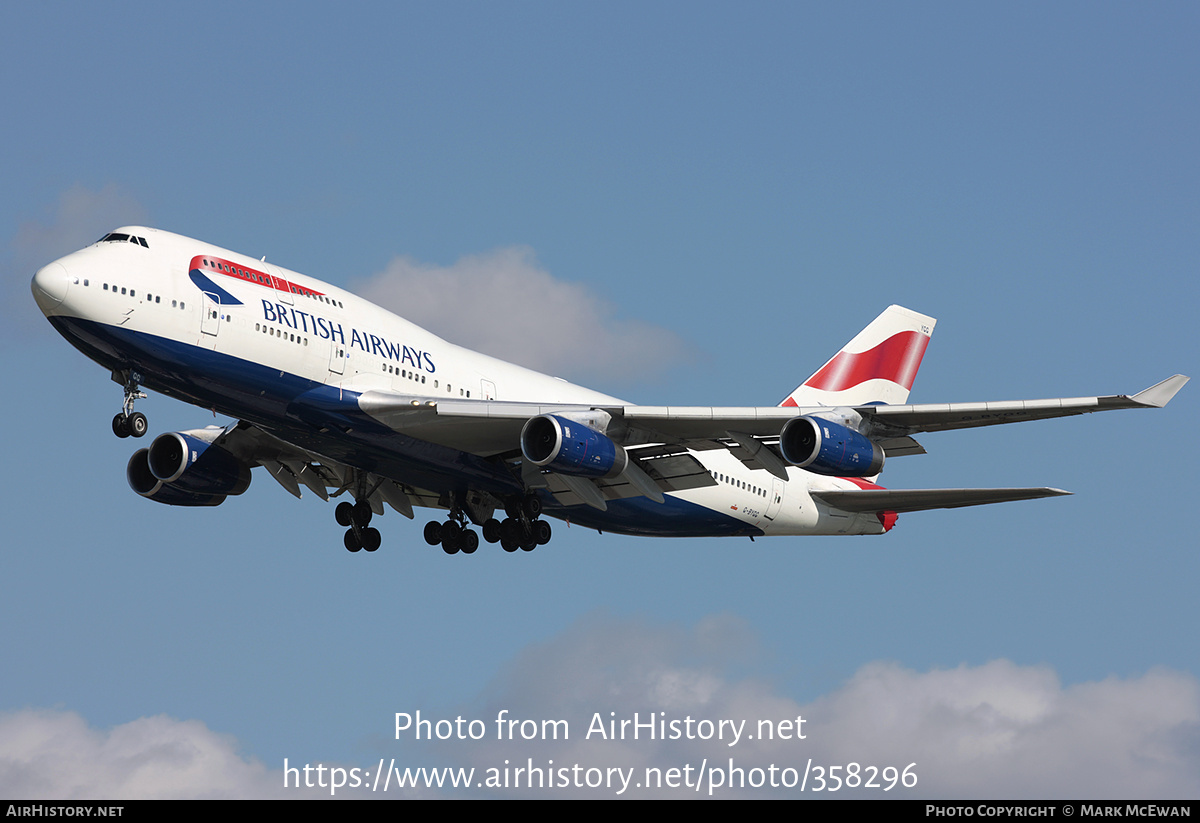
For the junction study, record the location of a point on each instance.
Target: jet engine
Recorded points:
(824, 447)
(568, 447)
(181, 469)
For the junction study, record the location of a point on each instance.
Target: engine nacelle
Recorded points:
(824, 447)
(569, 447)
(147, 485)
(182, 469)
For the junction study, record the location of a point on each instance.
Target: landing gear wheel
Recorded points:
(451, 537)
(371, 539)
(469, 541)
(352, 542)
(541, 532)
(137, 424)
(491, 531)
(120, 425)
(433, 532)
(508, 545)
(362, 513)
(532, 506)
(344, 513)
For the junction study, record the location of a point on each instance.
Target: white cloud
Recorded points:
(996, 730)
(1003, 730)
(505, 304)
(56, 755)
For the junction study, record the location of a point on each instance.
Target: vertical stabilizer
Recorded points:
(878, 366)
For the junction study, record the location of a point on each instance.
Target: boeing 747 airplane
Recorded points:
(334, 394)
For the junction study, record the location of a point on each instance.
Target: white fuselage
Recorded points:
(245, 338)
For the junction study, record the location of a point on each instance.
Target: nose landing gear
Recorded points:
(128, 422)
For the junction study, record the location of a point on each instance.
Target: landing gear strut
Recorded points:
(128, 422)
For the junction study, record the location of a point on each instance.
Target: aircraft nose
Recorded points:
(50, 286)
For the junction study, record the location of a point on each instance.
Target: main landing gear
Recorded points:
(454, 535)
(357, 516)
(521, 529)
(128, 422)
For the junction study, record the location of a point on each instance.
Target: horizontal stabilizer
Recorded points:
(915, 500)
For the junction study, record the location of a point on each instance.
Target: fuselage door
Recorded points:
(487, 390)
(283, 289)
(210, 314)
(337, 356)
(776, 500)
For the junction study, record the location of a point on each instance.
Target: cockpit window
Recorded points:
(117, 237)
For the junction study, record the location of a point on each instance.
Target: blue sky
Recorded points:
(737, 191)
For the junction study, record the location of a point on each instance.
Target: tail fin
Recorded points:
(877, 366)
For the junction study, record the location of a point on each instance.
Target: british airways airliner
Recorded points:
(334, 394)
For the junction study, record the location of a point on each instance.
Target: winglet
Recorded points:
(1160, 394)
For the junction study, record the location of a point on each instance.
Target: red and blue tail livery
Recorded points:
(338, 397)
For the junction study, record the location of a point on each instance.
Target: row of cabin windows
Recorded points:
(266, 280)
(741, 484)
(274, 332)
(388, 368)
(150, 298)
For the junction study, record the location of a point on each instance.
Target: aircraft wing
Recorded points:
(915, 500)
(930, 417)
(494, 427)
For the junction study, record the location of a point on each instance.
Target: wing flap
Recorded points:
(670, 473)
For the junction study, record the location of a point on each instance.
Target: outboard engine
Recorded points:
(182, 469)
